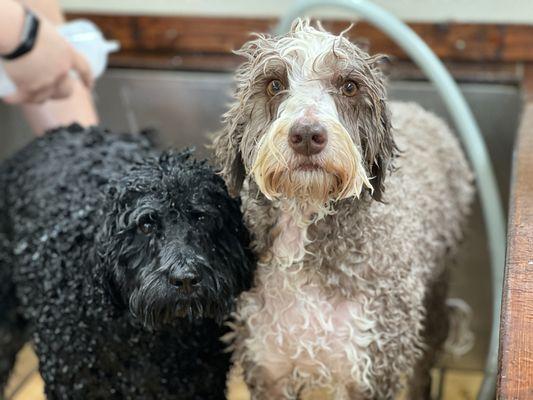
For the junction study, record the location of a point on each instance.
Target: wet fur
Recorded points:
(350, 293)
(79, 279)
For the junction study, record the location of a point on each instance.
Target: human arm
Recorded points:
(78, 105)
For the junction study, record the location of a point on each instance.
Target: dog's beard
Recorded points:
(336, 173)
(155, 304)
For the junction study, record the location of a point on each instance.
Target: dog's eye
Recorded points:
(349, 88)
(147, 224)
(274, 87)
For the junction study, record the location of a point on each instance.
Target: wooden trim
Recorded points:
(504, 73)
(516, 330)
(168, 37)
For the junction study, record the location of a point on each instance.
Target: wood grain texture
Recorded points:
(182, 36)
(516, 329)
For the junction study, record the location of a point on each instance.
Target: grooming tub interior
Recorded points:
(186, 106)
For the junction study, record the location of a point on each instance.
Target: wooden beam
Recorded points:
(516, 330)
(170, 36)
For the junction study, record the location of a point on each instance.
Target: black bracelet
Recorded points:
(29, 37)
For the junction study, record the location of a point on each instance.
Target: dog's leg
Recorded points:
(435, 332)
(12, 325)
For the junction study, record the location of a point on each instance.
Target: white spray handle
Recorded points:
(87, 39)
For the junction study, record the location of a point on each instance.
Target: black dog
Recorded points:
(120, 263)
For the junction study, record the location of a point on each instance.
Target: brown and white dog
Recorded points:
(354, 204)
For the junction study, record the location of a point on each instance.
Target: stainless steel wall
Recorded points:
(185, 107)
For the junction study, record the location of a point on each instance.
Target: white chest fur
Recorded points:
(298, 330)
(299, 327)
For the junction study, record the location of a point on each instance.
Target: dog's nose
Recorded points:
(308, 137)
(187, 281)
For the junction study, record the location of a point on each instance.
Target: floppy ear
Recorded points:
(377, 141)
(228, 157)
(106, 243)
(376, 137)
(380, 150)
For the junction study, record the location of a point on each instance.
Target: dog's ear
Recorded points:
(228, 157)
(107, 253)
(380, 149)
(377, 139)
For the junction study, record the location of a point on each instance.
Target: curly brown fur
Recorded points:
(350, 248)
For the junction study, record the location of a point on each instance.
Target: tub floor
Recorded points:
(26, 383)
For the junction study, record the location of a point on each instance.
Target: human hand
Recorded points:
(44, 73)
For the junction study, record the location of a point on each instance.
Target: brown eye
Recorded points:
(147, 224)
(274, 87)
(349, 88)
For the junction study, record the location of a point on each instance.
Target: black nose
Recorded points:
(308, 137)
(185, 280)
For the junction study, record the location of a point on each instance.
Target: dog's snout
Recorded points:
(308, 137)
(185, 280)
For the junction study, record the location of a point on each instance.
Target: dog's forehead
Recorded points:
(308, 44)
(179, 184)
(307, 54)
(196, 187)
(314, 51)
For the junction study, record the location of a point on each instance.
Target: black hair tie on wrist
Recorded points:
(28, 39)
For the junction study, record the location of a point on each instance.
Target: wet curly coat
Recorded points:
(119, 263)
(352, 238)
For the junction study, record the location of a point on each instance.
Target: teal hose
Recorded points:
(469, 133)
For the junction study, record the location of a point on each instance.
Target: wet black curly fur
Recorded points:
(119, 262)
